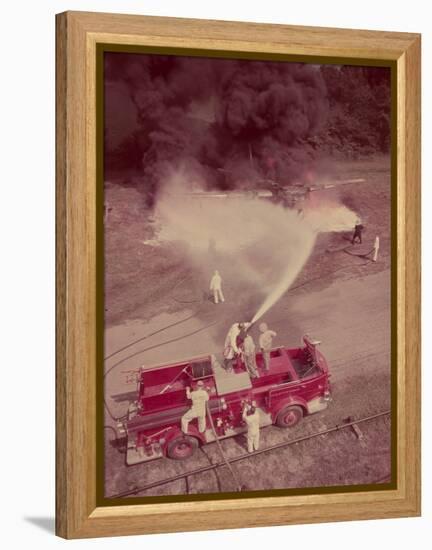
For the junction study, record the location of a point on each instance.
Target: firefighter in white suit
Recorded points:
(199, 398)
(252, 419)
(216, 287)
(376, 249)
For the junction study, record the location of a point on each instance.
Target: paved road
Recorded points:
(351, 318)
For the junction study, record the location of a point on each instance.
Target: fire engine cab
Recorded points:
(296, 385)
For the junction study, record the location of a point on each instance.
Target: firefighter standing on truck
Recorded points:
(199, 399)
(265, 343)
(249, 356)
(234, 339)
(252, 419)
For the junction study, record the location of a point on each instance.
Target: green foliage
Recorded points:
(359, 109)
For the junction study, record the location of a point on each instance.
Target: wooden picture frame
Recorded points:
(78, 36)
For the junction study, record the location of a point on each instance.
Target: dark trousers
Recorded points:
(357, 235)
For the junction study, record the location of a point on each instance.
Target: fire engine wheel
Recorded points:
(182, 447)
(289, 416)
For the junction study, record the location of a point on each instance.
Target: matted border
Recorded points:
(79, 205)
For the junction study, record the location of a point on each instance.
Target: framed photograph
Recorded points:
(238, 274)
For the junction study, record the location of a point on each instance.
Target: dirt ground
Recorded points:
(158, 311)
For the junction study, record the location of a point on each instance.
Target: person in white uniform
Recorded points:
(249, 356)
(199, 398)
(216, 287)
(232, 341)
(265, 343)
(376, 248)
(230, 346)
(252, 419)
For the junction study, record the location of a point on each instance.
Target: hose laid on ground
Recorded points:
(236, 481)
(214, 470)
(161, 344)
(359, 255)
(116, 438)
(114, 418)
(144, 350)
(284, 444)
(195, 301)
(149, 335)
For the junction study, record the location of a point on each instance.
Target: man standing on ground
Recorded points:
(376, 249)
(252, 419)
(265, 343)
(358, 228)
(199, 399)
(216, 287)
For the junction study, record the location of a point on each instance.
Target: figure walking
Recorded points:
(216, 287)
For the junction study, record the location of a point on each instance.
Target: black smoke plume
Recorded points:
(228, 123)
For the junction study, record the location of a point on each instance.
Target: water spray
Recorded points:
(260, 244)
(328, 218)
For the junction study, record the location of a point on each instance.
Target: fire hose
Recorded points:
(147, 349)
(194, 332)
(359, 255)
(247, 456)
(149, 335)
(168, 386)
(236, 481)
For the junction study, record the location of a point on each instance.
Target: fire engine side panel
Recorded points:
(299, 393)
(162, 398)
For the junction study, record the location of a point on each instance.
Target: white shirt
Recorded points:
(252, 422)
(216, 282)
(199, 399)
(231, 338)
(266, 339)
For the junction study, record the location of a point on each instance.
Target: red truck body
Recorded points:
(297, 384)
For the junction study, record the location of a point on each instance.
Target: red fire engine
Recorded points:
(297, 384)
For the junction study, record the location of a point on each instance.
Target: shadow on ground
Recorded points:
(46, 524)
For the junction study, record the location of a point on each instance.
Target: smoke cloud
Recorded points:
(231, 126)
(236, 122)
(259, 246)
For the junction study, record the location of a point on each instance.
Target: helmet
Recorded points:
(263, 327)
